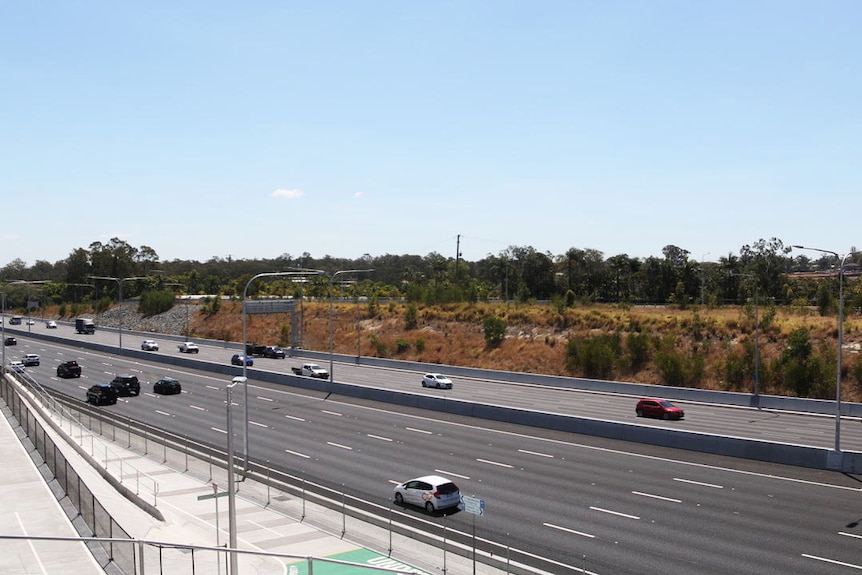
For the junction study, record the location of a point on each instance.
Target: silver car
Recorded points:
(437, 380)
(432, 492)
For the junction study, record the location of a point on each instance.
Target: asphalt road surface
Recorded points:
(556, 501)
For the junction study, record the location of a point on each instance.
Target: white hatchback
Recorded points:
(432, 492)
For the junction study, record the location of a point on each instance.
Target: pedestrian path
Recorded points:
(28, 507)
(194, 516)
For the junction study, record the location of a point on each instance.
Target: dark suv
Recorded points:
(69, 369)
(126, 384)
(167, 386)
(102, 394)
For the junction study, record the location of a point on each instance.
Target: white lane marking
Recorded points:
(419, 430)
(672, 500)
(701, 483)
(258, 424)
(31, 544)
(163, 413)
(497, 463)
(213, 387)
(298, 454)
(265, 398)
(450, 473)
(330, 412)
(528, 452)
(294, 417)
(832, 561)
(198, 408)
(854, 535)
(567, 530)
(265, 528)
(379, 437)
(219, 430)
(347, 447)
(617, 513)
(583, 446)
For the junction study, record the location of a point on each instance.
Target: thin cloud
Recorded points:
(290, 194)
(357, 195)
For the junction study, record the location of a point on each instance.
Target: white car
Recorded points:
(30, 359)
(150, 345)
(432, 492)
(31, 322)
(51, 324)
(188, 347)
(16, 365)
(437, 380)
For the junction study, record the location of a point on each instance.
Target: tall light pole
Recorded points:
(231, 483)
(3, 329)
(331, 329)
(119, 298)
(245, 346)
(843, 259)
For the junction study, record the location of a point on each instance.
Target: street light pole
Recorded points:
(331, 328)
(245, 347)
(843, 260)
(231, 483)
(119, 299)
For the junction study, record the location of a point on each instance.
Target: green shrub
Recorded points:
(411, 316)
(494, 329)
(155, 302)
(637, 350)
(594, 357)
(401, 345)
(419, 344)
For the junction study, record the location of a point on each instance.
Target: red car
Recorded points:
(662, 408)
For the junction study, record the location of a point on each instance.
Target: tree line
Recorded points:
(765, 269)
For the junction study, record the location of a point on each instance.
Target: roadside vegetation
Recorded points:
(666, 320)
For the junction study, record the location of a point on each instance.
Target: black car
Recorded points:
(102, 394)
(274, 352)
(10, 341)
(167, 386)
(126, 384)
(69, 369)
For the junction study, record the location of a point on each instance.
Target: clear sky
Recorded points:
(259, 128)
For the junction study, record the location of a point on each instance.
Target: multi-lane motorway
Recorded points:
(558, 501)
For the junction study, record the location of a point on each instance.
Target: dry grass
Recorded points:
(536, 336)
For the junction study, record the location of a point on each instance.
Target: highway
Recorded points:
(559, 501)
(767, 425)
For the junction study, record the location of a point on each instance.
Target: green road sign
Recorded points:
(364, 557)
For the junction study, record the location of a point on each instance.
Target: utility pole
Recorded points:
(457, 254)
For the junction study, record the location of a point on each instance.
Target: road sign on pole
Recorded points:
(472, 505)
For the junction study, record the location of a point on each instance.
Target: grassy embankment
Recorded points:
(704, 347)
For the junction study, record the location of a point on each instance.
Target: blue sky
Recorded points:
(260, 128)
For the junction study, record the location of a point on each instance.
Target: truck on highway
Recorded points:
(254, 349)
(311, 370)
(85, 325)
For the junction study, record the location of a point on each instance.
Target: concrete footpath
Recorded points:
(301, 529)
